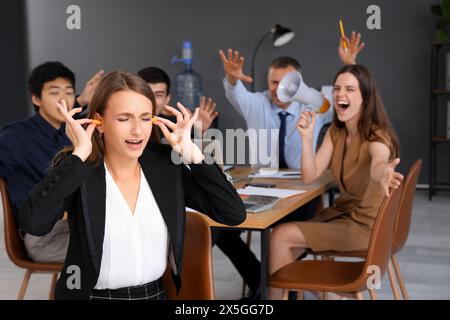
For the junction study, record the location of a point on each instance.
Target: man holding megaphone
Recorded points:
(280, 109)
(267, 110)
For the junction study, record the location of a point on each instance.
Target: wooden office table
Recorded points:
(263, 221)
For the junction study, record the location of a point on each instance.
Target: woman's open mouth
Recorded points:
(342, 106)
(134, 144)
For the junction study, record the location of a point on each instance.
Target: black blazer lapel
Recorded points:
(93, 193)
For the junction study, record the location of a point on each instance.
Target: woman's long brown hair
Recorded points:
(113, 82)
(373, 116)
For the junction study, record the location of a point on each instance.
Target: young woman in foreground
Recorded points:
(124, 196)
(361, 149)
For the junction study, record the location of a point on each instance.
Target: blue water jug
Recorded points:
(188, 84)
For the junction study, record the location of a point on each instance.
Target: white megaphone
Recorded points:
(292, 87)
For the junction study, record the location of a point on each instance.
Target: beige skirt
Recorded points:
(341, 233)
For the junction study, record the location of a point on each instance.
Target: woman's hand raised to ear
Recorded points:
(80, 137)
(180, 135)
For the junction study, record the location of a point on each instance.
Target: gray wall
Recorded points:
(136, 33)
(13, 59)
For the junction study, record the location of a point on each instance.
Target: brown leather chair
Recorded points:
(403, 224)
(16, 249)
(401, 232)
(351, 277)
(320, 206)
(197, 274)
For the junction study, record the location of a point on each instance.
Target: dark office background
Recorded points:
(132, 34)
(13, 61)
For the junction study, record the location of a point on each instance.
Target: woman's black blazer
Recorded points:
(80, 189)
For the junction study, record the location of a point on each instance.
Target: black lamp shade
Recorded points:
(281, 35)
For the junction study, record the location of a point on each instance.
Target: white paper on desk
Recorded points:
(280, 193)
(190, 210)
(227, 167)
(276, 175)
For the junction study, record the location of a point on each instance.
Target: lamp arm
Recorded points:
(254, 56)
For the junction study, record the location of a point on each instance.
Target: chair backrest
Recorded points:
(13, 243)
(322, 133)
(405, 207)
(197, 274)
(379, 251)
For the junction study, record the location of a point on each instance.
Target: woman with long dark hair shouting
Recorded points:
(362, 151)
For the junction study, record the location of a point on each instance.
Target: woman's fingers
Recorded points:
(62, 107)
(63, 103)
(186, 114)
(313, 117)
(175, 112)
(358, 39)
(90, 129)
(397, 179)
(303, 123)
(361, 46)
(85, 120)
(393, 179)
(394, 163)
(194, 117)
(74, 111)
(307, 119)
(167, 122)
(166, 133)
(398, 176)
(345, 40)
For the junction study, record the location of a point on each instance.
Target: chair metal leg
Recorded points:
(324, 295)
(373, 294)
(401, 282)
(359, 296)
(249, 238)
(51, 295)
(24, 286)
(392, 281)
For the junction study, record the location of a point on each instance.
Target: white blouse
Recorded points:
(134, 246)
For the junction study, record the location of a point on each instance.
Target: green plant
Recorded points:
(442, 11)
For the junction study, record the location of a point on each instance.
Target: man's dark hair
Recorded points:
(155, 75)
(284, 62)
(47, 72)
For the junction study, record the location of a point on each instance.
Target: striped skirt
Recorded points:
(150, 291)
